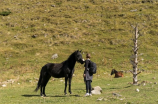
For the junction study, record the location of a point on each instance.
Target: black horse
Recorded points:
(59, 70)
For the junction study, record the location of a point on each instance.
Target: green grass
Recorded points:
(23, 93)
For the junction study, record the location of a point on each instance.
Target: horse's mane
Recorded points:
(115, 70)
(70, 57)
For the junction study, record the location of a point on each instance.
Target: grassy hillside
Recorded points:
(23, 93)
(34, 30)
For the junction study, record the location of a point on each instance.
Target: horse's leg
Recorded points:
(70, 85)
(41, 90)
(70, 78)
(66, 78)
(45, 81)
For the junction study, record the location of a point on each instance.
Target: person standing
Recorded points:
(87, 76)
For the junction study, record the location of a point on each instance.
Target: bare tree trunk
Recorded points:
(136, 55)
(134, 60)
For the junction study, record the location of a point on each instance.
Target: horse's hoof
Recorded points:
(44, 95)
(41, 95)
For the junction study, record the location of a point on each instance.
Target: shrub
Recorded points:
(5, 13)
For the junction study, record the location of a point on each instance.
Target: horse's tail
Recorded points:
(39, 82)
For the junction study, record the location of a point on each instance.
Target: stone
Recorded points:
(137, 90)
(55, 56)
(96, 90)
(4, 85)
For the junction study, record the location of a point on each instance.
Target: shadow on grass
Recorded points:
(127, 86)
(79, 89)
(115, 88)
(30, 95)
(65, 96)
(120, 88)
(51, 96)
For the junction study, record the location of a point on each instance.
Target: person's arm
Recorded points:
(86, 66)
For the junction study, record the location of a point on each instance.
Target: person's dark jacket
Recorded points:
(86, 71)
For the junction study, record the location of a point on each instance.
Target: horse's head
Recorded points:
(113, 71)
(78, 57)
